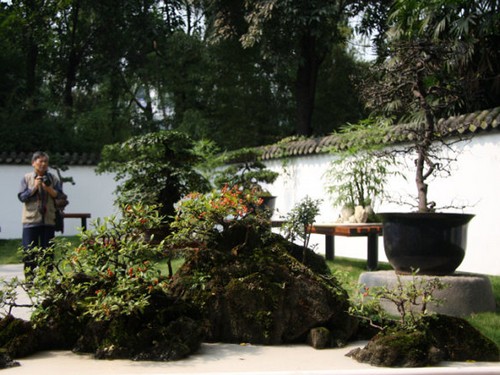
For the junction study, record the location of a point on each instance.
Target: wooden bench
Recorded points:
(82, 216)
(369, 230)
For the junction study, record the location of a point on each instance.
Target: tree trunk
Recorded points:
(420, 181)
(73, 62)
(70, 83)
(31, 66)
(426, 136)
(307, 74)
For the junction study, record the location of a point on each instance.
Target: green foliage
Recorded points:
(359, 174)
(10, 251)
(227, 94)
(410, 298)
(204, 219)
(111, 273)
(357, 180)
(244, 169)
(310, 30)
(107, 295)
(76, 76)
(156, 168)
(9, 292)
(337, 99)
(298, 221)
(431, 70)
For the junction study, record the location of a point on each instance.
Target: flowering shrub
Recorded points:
(112, 272)
(108, 296)
(203, 218)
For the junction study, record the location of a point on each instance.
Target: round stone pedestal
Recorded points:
(466, 293)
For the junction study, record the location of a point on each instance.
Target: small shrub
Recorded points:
(360, 173)
(111, 273)
(243, 168)
(411, 300)
(298, 221)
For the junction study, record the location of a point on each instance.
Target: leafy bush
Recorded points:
(411, 300)
(156, 169)
(359, 175)
(112, 272)
(298, 221)
(108, 296)
(244, 169)
(202, 219)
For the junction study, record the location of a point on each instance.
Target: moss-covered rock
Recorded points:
(440, 338)
(6, 361)
(394, 348)
(166, 330)
(460, 341)
(17, 337)
(257, 292)
(312, 260)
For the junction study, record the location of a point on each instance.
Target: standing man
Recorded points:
(38, 192)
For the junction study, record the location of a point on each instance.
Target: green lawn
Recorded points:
(9, 251)
(348, 271)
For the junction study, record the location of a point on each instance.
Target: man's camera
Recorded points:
(46, 180)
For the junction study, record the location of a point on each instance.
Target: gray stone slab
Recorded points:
(466, 293)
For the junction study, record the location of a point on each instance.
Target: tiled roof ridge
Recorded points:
(24, 158)
(474, 122)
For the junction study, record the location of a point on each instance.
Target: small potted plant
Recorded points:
(154, 169)
(243, 168)
(357, 177)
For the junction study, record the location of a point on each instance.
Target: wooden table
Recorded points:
(369, 230)
(82, 216)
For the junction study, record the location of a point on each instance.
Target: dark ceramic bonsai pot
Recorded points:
(432, 243)
(269, 202)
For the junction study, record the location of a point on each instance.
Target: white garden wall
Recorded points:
(475, 182)
(91, 193)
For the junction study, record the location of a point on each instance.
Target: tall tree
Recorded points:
(337, 100)
(435, 68)
(86, 68)
(297, 34)
(471, 27)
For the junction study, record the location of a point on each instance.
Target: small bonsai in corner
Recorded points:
(416, 337)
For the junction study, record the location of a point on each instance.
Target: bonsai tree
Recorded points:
(156, 169)
(415, 336)
(243, 168)
(430, 72)
(298, 221)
